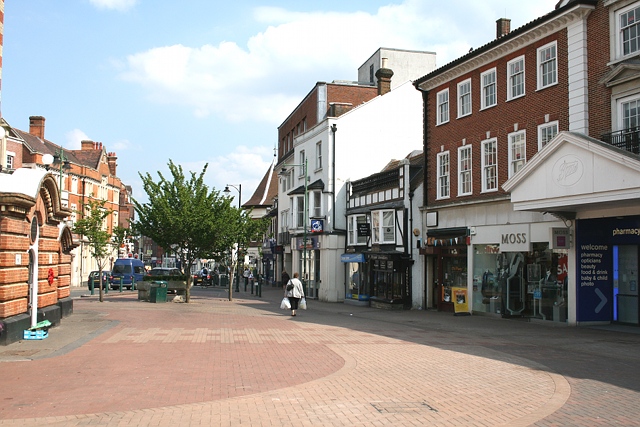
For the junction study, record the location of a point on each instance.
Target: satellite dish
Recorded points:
(47, 159)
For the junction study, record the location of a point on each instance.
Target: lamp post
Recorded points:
(227, 191)
(60, 158)
(305, 217)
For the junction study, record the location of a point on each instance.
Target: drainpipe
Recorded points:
(33, 249)
(334, 129)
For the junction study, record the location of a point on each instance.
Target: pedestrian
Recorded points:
(285, 278)
(294, 292)
(246, 278)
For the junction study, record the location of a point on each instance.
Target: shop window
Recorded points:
(387, 284)
(528, 284)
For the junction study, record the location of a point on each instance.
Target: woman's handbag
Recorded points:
(285, 304)
(303, 304)
(289, 285)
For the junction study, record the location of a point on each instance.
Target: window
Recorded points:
(629, 30)
(515, 72)
(383, 226)
(464, 171)
(464, 98)
(517, 151)
(488, 80)
(300, 219)
(547, 66)
(10, 161)
(443, 175)
(443, 107)
(630, 113)
(284, 220)
(317, 203)
(302, 160)
(319, 155)
(352, 225)
(546, 133)
(490, 165)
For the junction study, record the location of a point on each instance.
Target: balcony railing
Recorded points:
(628, 139)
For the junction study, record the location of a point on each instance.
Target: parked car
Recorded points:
(164, 271)
(127, 269)
(95, 276)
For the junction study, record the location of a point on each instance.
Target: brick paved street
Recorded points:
(219, 363)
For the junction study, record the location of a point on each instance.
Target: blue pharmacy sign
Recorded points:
(595, 242)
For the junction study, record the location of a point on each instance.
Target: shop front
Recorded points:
(607, 252)
(309, 264)
(357, 274)
(600, 214)
(390, 280)
(448, 248)
(528, 280)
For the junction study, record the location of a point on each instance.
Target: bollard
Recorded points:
(260, 288)
(91, 285)
(121, 280)
(133, 283)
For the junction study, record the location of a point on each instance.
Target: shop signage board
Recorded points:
(460, 300)
(595, 239)
(515, 238)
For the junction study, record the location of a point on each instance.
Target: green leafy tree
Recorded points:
(184, 217)
(92, 226)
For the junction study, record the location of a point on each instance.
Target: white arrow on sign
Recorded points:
(603, 300)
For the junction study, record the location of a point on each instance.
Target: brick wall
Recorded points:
(526, 112)
(598, 52)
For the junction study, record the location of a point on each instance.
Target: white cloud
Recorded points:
(74, 138)
(119, 5)
(265, 80)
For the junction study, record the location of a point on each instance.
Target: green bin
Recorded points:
(158, 292)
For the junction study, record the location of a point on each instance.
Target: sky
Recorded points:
(205, 81)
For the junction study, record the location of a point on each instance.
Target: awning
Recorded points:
(352, 258)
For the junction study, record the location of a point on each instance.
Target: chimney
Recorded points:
(111, 161)
(86, 145)
(384, 78)
(503, 27)
(36, 126)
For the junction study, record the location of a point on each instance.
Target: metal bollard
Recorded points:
(133, 283)
(121, 280)
(260, 288)
(91, 285)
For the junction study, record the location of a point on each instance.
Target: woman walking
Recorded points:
(294, 292)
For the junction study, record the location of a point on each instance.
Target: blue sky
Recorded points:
(202, 81)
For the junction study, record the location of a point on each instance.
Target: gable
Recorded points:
(575, 172)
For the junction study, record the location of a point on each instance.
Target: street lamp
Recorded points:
(305, 217)
(227, 191)
(60, 158)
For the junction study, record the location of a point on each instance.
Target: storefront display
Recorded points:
(517, 284)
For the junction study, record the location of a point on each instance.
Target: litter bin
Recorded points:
(158, 292)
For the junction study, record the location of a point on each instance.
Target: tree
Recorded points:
(184, 217)
(93, 227)
(119, 237)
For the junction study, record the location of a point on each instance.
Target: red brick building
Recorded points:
(507, 129)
